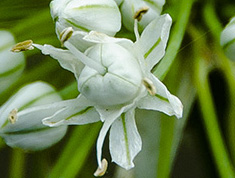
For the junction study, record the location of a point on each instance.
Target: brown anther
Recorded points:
(65, 35)
(23, 46)
(149, 86)
(101, 171)
(139, 14)
(12, 117)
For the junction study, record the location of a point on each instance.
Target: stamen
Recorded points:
(65, 35)
(139, 14)
(23, 46)
(137, 35)
(12, 117)
(101, 170)
(149, 86)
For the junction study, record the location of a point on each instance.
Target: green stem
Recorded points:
(210, 119)
(176, 38)
(207, 107)
(227, 68)
(17, 164)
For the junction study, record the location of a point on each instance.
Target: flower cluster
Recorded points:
(113, 74)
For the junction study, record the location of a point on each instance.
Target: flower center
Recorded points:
(122, 80)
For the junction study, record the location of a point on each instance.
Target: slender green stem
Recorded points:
(227, 68)
(209, 116)
(210, 119)
(176, 38)
(17, 164)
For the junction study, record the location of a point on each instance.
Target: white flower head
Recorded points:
(27, 131)
(114, 77)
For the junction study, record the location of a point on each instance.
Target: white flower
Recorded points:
(114, 78)
(28, 132)
(227, 39)
(84, 16)
(11, 64)
(129, 8)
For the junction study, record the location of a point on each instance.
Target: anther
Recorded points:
(139, 14)
(12, 117)
(65, 35)
(101, 171)
(149, 86)
(23, 46)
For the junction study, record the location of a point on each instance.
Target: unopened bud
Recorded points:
(227, 39)
(11, 64)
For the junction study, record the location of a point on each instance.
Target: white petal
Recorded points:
(153, 46)
(66, 59)
(77, 112)
(163, 101)
(125, 141)
(102, 15)
(97, 37)
(101, 137)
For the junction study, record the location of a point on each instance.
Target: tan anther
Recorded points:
(139, 14)
(101, 171)
(23, 46)
(149, 86)
(65, 35)
(12, 117)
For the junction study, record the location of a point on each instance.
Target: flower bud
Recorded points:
(25, 132)
(98, 15)
(122, 80)
(129, 8)
(11, 64)
(227, 39)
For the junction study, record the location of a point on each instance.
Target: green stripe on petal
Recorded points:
(84, 111)
(161, 98)
(126, 139)
(152, 48)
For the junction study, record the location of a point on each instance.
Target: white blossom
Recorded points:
(28, 132)
(84, 16)
(114, 78)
